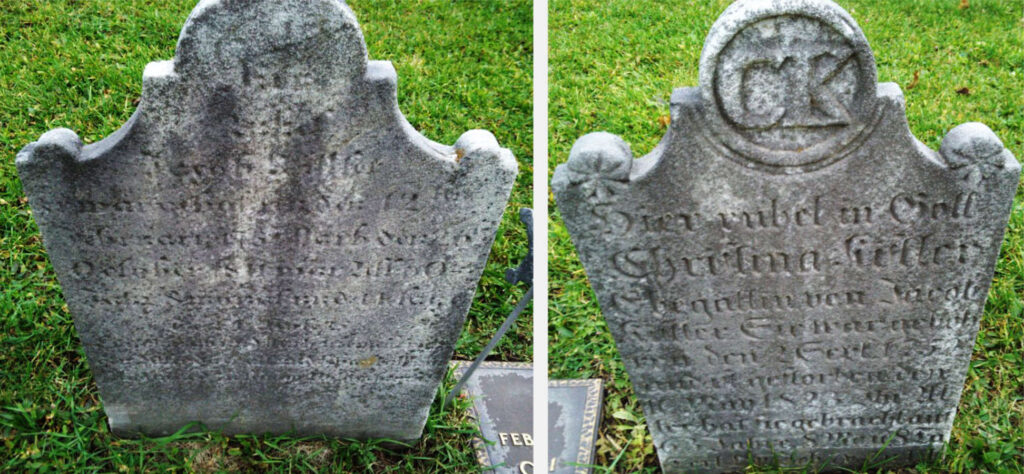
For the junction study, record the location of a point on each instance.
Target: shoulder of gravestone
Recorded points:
(969, 145)
(975, 144)
(595, 157)
(475, 149)
(63, 146)
(479, 149)
(472, 147)
(55, 147)
(607, 157)
(603, 156)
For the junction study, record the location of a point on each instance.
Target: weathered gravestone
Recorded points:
(267, 245)
(790, 271)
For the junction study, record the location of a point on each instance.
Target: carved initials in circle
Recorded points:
(790, 90)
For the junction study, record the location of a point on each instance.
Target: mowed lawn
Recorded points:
(78, 64)
(612, 68)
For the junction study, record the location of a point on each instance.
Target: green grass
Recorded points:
(78, 64)
(612, 68)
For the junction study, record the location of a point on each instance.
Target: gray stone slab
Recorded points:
(791, 271)
(267, 245)
(502, 403)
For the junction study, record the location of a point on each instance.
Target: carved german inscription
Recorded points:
(267, 246)
(791, 274)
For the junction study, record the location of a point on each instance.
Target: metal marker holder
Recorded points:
(523, 273)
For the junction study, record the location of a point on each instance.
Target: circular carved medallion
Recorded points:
(790, 87)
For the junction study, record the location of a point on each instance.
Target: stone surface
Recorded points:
(502, 394)
(267, 245)
(791, 270)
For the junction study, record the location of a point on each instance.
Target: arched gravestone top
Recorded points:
(790, 85)
(231, 39)
(267, 245)
(791, 275)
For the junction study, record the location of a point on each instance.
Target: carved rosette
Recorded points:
(601, 166)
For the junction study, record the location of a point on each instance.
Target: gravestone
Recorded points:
(502, 400)
(791, 274)
(267, 245)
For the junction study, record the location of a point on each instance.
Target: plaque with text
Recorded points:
(502, 403)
